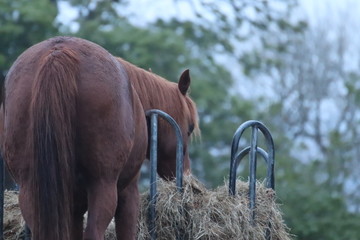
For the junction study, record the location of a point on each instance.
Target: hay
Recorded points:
(198, 213)
(13, 221)
(213, 214)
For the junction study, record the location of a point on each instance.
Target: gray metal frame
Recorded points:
(154, 114)
(253, 150)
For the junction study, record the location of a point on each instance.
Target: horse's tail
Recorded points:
(52, 116)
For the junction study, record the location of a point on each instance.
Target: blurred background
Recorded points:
(294, 65)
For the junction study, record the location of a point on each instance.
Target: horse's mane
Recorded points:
(154, 90)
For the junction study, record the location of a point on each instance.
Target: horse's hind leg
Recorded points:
(102, 200)
(127, 211)
(128, 197)
(78, 222)
(80, 207)
(24, 203)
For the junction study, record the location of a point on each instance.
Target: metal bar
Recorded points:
(179, 146)
(27, 233)
(234, 148)
(245, 151)
(253, 163)
(179, 161)
(270, 177)
(2, 188)
(153, 174)
(154, 113)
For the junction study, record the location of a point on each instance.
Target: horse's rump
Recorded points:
(71, 111)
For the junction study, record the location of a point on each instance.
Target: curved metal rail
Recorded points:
(253, 150)
(154, 114)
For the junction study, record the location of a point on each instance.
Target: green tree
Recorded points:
(22, 24)
(314, 114)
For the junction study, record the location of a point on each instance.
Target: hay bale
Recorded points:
(13, 221)
(198, 213)
(212, 214)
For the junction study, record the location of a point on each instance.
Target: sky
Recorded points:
(141, 11)
(165, 8)
(318, 9)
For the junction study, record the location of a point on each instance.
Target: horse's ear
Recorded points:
(184, 81)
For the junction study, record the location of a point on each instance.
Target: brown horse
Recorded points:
(74, 136)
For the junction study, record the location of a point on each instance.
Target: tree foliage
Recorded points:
(314, 98)
(22, 24)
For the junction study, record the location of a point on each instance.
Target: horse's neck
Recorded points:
(150, 88)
